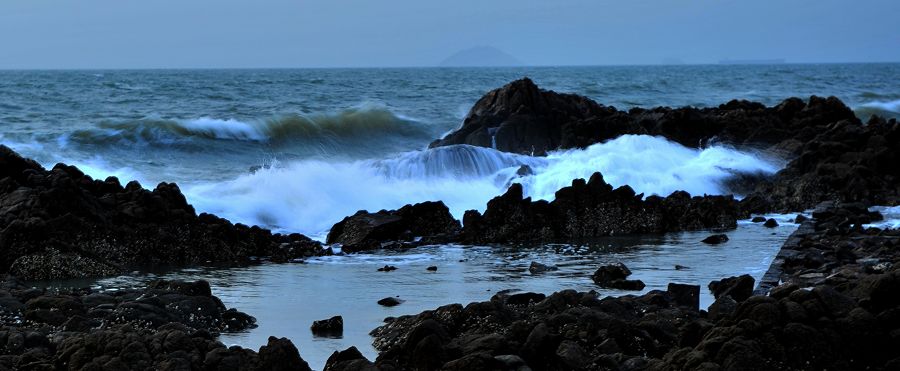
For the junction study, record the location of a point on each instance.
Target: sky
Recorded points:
(390, 33)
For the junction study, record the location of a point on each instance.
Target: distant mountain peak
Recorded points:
(481, 56)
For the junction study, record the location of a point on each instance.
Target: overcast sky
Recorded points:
(356, 33)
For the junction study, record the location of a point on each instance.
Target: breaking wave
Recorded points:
(310, 196)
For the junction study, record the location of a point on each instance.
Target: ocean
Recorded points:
(296, 150)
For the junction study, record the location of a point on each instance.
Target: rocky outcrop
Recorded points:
(837, 309)
(165, 325)
(522, 118)
(60, 223)
(844, 162)
(366, 231)
(593, 209)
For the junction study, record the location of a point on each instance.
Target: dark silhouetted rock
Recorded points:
(739, 288)
(771, 223)
(715, 239)
(685, 295)
(387, 268)
(390, 302)
(614, 276)
(432, 268)
(366, 231)
(333, 326)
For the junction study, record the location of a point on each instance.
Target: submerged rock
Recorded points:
(537, 268)
(715, 239)
(390, 302)
(367, 231)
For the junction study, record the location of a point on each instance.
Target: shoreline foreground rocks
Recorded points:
(61, 223)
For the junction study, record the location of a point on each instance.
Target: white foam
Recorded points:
(310, 196)
(892, 106)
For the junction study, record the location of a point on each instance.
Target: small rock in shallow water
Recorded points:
(431, 269)
(679, 267)
(536, 267)
(613, 276)
(328, 327)
(758, 219)
(387, 268)
(771, 223)
(389, 302)
(715, 239)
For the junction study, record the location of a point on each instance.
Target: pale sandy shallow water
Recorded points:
(286, 298)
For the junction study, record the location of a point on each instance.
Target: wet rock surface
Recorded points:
(165, 325)
(367, 231)
(594, 209)
(832, 313)
(60, 223)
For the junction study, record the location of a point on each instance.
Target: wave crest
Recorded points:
(350, 124)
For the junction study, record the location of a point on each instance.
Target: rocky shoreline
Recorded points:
(829, 301)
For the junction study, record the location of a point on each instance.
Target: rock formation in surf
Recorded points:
(60, 223)
(833, 155)
(366, 231)
(594, 209)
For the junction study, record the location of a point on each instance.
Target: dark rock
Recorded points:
(333, 326)
(800, 218)
(771, 223)
(349, 359)
(715, 239)
(685, 295)
(60, 223)
(281, 355)
(758, 219)
(614, 276)
(366, 231)
(432, 268)
(739, 288)
(387, 268)
(537, 268)
(594, 209)
(525, 298)
(390, 302)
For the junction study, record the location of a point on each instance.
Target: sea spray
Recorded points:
(310, 196)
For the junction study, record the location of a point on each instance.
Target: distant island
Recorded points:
(753, 61)
(481, 56)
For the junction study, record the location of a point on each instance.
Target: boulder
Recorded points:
(366, 231)
(537, 268)
(739, 288)
(390, 302)
(333, 326)
(614, 276)
(715, 239)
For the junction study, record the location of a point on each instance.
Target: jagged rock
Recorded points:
(739, 288)
(594, 209)
(61, 223)
(366, 231)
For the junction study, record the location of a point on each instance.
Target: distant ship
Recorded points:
(752, 61)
